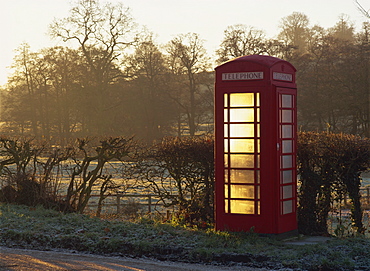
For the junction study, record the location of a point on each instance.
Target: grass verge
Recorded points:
(43, 229)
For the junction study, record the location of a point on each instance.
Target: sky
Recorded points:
(28, 20)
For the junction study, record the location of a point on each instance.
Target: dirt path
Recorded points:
(24, 259)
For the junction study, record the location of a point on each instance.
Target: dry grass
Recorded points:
(43, 229)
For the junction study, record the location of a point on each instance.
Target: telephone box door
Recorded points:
(287, 138)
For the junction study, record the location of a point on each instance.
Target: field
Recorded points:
(41, 229)
(131, 199)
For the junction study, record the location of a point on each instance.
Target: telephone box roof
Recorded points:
(264, 60)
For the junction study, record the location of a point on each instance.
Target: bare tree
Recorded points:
(240, 40)
(65, 71)
(343, 29)
(187, 59)
(151, 108)
(23, 86)
(106, 28)
(41, 100)
(102, 33)
(365, 51)
(295, 32)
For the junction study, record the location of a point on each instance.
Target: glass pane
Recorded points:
(258, 114)
(287, 161)
(242, 145)
(257, 99)
(241, 130)
(258, 192)
(225, 100)
(226, 190)
(241, 99)
(287, 131)
(226, 161)
(242, 115)
(258, 146)
(258, 130)
(287, 176)
(286, 116)
(242, 191)
(241, 160)
(226, 206)
(226, 176)
(287, 207)
(226, 127)
(258, 208)
(287, 101)
(225, 115)
(241, 207)
(226, 145)
(287, 146)
(287, 191)
(241, 176)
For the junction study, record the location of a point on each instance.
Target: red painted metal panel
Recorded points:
(252, 189)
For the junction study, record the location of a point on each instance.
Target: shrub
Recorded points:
(19, 168)
(30, 179)
(90, 156)
(180, 171)
(329, 166)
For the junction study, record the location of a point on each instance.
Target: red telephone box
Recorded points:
(255, 145)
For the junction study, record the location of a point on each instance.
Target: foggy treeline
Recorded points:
(112, 78)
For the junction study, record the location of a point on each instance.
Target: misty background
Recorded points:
(111, 77)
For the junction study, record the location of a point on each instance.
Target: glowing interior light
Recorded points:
(242, 191)
(241, 130)
(242, 207)
(242, 160)
(241, 115)
(241, 99)
(258, 99)
(242, 176)
(242, 145)
(242, 149)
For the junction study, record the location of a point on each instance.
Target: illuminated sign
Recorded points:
(242, 76)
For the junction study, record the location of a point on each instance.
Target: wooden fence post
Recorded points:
(118, 203)
(150, 203)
